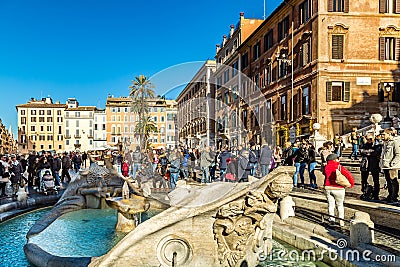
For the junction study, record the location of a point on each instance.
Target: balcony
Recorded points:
(67, 136)
(77, 136)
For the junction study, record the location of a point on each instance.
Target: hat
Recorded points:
(331, 157)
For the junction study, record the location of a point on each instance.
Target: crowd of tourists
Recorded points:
(204, 165)
(25, 170)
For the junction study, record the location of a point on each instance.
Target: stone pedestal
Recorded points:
(375, 119)
(317, 139)
(286, 208)
(359, 229)
(124, 224)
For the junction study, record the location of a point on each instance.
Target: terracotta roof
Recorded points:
(41, 105)
(82, 108)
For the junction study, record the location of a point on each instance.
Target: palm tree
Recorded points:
(144, 128)
(141, 90)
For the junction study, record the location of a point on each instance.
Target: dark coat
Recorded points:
(243, 168)
(15, 173)
(223, 156)
(371, 155)
(265, 155)
(56, 165)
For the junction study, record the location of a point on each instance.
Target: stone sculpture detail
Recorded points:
(244, 223)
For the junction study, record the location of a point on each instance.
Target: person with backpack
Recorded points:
(65, 165)
(222, 157)
(253, 158)
(163, 162)
(174, 169)
(266, 155)
(55, 169)
(370, 157)
(300, 162)
(243, 166)
(16, 172)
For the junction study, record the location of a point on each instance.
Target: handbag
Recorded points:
(341, 179)
(230, 177)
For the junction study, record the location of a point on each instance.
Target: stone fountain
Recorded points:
(222, 224)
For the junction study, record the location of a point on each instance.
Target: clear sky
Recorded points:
(91, 48)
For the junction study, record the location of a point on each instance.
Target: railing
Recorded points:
(362, 131)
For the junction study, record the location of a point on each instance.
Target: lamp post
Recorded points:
(388, 88)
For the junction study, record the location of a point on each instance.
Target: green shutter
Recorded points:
(337, 46)
(328, 91)
(381, 48)
(346, 92)
(346, 6)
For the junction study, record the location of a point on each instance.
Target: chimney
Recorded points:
(223, 40)
(217, 48)
(232, 30)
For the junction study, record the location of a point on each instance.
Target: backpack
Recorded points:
(2, 170)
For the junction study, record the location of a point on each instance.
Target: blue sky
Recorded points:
(90, 48)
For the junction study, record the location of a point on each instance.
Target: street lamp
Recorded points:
(388, 87)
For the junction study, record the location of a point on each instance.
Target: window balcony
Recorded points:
(67, 136)
(77, 136)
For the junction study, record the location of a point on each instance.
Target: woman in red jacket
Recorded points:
(334, 192)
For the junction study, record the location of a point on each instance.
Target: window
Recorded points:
(304, 12)
(394, 94)
(42, 137)
(283, 28)
(49, 128)
(389, 6)
(226, 98)
(49, 138)
(33, 112)
(41, 112)
(59, 119)
(245, 60)
(305, 101)
(23, 112)
(269, 74)
(155, 118)
(41, 119)
(49, 119)
(338, 91)
(226, 76)
(67, 123)
(162, 118)
(59, 112)
(389, 48)
(77, 123)
(67, 114)
(256, 82)
(338, 6)
(219, 82)
(42, 128)
(77, 114)
(337, 46)
(268, 40)
(283, 68)
(235, 68)
(268, 111)
(33, 128)
(49, 112)
(33, 119)
(256, 51)
(305, 55)
(59, 130)
(283, 108)
(23, 120)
